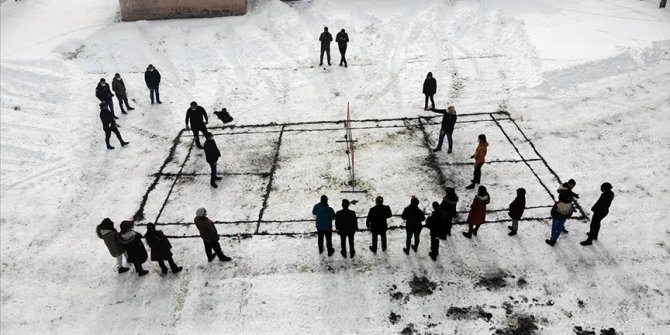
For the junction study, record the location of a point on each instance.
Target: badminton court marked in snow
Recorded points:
(274, 173)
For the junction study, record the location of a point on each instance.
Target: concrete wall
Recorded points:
(132, 10)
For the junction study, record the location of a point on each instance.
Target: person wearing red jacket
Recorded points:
(480, 158)
(477, 214)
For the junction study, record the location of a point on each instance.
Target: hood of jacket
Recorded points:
(128, 237)
(485, 199)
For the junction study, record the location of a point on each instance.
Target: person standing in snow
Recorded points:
(342, 39)
(160, 249)
(109, 126)
(198, 117)
(134, 246)
(429, 89)
(105, 230)
(104, 94)
(346, 224)
(119, 89)
(325, 39)
(435, 222)
(560, 212)
(153, 79)
(477, 214)
(447, 127)
(662, 4)
(480, 158)
(600, 210)
(212, 155)
(413, 217)
(448, 205)
(209, 235)
(324, 215)
(516, 209)
(376, 222)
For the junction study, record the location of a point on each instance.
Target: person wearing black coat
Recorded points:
(153, 79)
(198, 117)
(413, 217)
(600, 210)
(448, 205)
(104, 94)
(109, 125)
(447, 127)
(160, 249)
(212, 155)
(376, 222)
(516, 209)
(435, 223)
(119, 89)
(132, 240)
(342, 39)
(346, 224)
(429, 89)
(325, 39)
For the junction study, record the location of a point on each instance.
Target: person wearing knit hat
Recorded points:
(209, 235)
(105, 230)
(600, 210)
(132, 240)
(160, 249)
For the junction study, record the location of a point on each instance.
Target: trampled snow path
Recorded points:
(587, 81)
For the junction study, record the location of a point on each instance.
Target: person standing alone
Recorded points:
(324, 224)
(198, 117)
(600, 210)
(212, 155)
(447, 127)
(342, 39)
(209, 235)
(325, 39)
(153, 79)
(480, 158)
(429, 89)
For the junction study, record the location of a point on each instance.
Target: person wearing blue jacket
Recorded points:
(324, 215)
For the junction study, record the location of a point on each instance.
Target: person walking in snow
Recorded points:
(480, 158)
(153, 79)
(516, 209)
(198, 117)
(346, 224)
(376, 222)
(600, 210)
(342, 39)
(109, 126)
(160, 249)
(435, 222)
(212, 155)
(662, 4)
(448, 205)
(324, 215)
(209, 235)
(104, 94)
(429, 89)
(325, 39)
(477, 214)
(132, 241)
(119, 89)
(413, 217)
(447, 127)
(560, 212)
(105, 230)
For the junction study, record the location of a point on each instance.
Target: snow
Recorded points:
(586, 81)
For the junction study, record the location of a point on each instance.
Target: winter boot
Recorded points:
(211, 257)
(550, 242)
(225, 259)
(432, 256)
(177, 269)
(471, 186)
(131, 108)
(123, 144)
(415, 247)
(587, 242)
(352, 253)
(405, 250)
(437, 149)
(512, 233)
(122, 270)
(331, 252)
(343, 253)
(142, 273)
(466, 234)
(214, 184)
(373, 249)
(110, 147)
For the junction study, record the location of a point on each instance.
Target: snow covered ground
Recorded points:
(587, 81)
